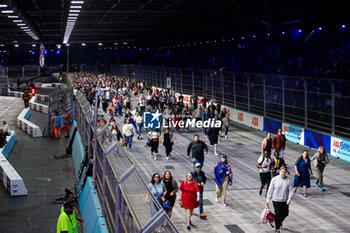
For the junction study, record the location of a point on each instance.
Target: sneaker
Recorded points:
(317, 185)
(322, 189)
(167, 158)
(203, 216)
(216, 154)
(216, 199)
(224, 204)
(155, 158)
(260, 192)
(278, 231)
(188, 228)
(225, 136)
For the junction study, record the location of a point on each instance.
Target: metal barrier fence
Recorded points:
(120, 187)
(22, 73)
(318, 104)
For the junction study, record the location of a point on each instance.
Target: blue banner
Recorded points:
(315, 139)
(271, 125)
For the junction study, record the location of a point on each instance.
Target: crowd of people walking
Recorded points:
(128, 99)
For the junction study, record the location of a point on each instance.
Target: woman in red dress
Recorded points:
(189, 197)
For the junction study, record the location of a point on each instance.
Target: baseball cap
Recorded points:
(198, 165)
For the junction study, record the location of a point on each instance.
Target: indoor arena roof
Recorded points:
(153, 21)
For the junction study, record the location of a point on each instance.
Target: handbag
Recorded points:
(122, 143)
(165, 204)
(267, 216)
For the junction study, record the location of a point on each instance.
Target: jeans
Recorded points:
(226, 129)
(195, 160)
(128, 141)
(281, 212)
(139, 128)
(200, 203)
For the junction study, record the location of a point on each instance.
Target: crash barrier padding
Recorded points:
(27, 126)
(91, 210)
(11, 141)
(9, 177)
(77, 153)
(38, 107)
(335, 146)
(72, 128)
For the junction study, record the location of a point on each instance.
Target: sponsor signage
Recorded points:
(340, 148)
(293, 133)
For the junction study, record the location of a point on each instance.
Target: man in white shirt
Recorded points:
(281, 194)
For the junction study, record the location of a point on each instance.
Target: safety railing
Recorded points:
(318, 104)
(120, 187)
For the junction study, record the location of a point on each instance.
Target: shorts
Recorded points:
(213, 141)
(265, 178)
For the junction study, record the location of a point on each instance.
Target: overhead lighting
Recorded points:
(83, 44)
(17, 21)
(116, 43)
(7, 11)
(21, 24)
(74, 11)
(33, 45)
(77, 2)
(27, 30)
(16, 45)
(343, 26)
(26, 27)
(67, 45)
(99, 44)
(73, 14)
(71, 20)
(76, 7)
(283, 33)
(320, 28)
(3, 5)
(69, 17)
(299, 30)
(12, 16)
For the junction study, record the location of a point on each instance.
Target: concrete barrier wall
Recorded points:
(91, 210)
(9, 177)
(27, 126)
(77, 153)
(11, 141)
(38, 107)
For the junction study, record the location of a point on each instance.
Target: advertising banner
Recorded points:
(271, 125)
(340, 148)
(248, 119)
(293, 133)
(314, 139)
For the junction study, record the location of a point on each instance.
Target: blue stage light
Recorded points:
(253, 36)
(268, 34)
(299, 30)
(283, 33)
(343, 26)
(320, 28)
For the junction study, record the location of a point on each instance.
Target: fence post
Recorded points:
(248, 91)
(264, 93)
(22, 71)
(192, 81)
(283, 99)
(182, 90)
(333, 106)
(305, 101)
(234, 90)
(222, 85)
(95, 142)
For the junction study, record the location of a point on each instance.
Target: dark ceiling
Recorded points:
(156, 21)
